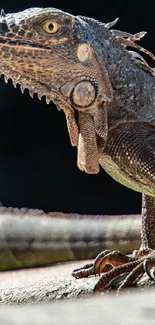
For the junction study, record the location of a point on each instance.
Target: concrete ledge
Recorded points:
(46, 284)
(135, 309)
(37, 297)
(43, 284)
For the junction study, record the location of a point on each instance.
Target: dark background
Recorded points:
(37, 163)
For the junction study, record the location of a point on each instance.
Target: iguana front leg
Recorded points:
(134, 167)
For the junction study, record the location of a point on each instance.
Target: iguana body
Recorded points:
(32, 238)
(108, 96)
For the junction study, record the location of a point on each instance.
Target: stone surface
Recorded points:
(135, 309)
(45, 284)
(48, 295)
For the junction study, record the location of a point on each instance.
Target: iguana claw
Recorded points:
(114, 264)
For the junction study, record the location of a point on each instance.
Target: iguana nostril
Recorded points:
(83, 94)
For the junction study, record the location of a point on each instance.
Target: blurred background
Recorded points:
(37, 163)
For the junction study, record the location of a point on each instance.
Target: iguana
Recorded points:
(108, 96)
(30, 238)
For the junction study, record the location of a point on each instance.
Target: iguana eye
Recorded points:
(51, 27)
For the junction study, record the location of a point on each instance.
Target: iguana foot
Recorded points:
(114, 264)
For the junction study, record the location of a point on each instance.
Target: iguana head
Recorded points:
(57, 55)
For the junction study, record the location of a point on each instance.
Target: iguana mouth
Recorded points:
(24, 82)
(20, 70)
(10, 43)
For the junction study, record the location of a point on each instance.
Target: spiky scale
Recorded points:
(2, 14)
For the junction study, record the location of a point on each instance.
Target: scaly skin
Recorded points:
(32, 238)
(108, 96)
